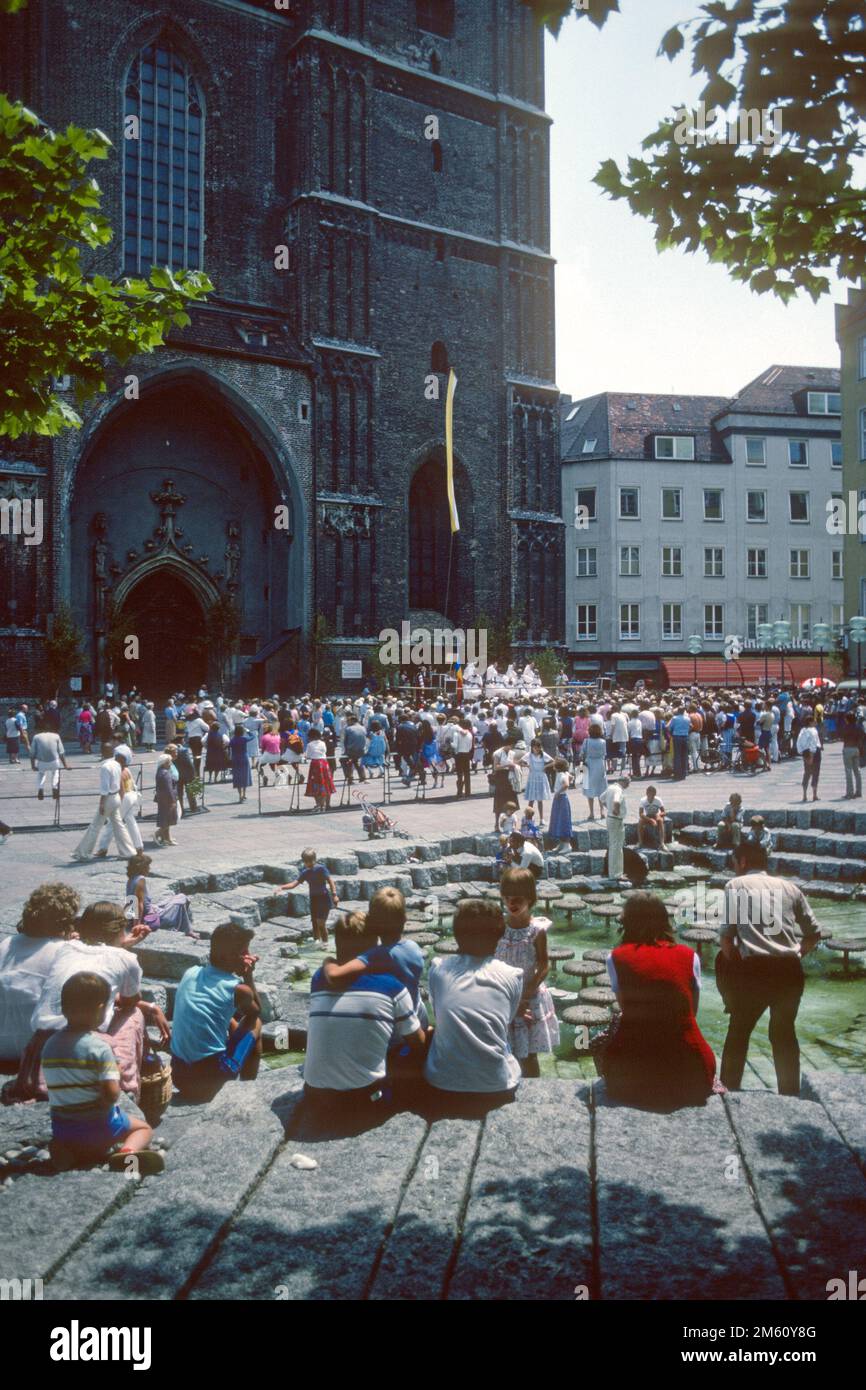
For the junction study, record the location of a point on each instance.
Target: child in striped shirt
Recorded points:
(83, 1081)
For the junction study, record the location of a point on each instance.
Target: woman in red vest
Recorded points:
(657, 1059)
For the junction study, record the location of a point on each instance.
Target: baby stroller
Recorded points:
(712, 756)
(374, 820)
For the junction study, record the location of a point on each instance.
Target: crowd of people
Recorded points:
(535, 749)
(74, 1025)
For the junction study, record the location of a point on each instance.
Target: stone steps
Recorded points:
(724, 1202)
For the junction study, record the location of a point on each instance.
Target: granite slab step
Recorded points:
(316, 1233)
(656, 1213)
(527, 1228)
(149, 1246)
(810, 1190)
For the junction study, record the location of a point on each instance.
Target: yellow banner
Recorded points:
(449, 449)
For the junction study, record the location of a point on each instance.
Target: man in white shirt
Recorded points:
(462, 744)
(47, 756)
(615, 814)
(527, 726)
(475, 997)
(108, 810)
(618, 736)
(526, 854)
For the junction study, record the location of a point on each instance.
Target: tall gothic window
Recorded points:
(162, 162)
(429, 538)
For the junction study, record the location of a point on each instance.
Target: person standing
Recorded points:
(593, 755)
(13, 736)
(853, 744)
(148, 726)
(809, 746)
(130, 800)
(760, 964)
(679, 729)
(239, 745)
(616, 811)
(463, 742)
(47, 756)
(165, 796)
(108, 810)
(696, 720)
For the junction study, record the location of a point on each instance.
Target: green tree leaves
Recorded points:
(55, 319)
(780, 209)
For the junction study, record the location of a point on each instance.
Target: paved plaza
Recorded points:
(227, 836)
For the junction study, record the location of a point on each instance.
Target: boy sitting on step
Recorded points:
(83, 1080)
(394, 954)
(217, 1025)
(345, 1069)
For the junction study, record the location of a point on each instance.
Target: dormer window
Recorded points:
(675, 446)
(589, 446)
(823, 403)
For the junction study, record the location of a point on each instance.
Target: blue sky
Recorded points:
(627, 318)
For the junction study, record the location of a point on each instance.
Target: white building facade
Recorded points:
(700, 516)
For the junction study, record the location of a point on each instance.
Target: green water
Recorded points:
(831, 1024)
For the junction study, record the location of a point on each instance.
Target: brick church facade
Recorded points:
(366, 184)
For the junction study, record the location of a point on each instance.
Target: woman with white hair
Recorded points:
(254, 724)
(148, 727)
(165, 796)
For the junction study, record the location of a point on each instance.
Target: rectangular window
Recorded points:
(587, 622)
(672, 561)
(672, 622)
(798, 453)
(801, 621)
(629, 503)
(629, 560)
(672, 504)
(755, 613)
(837, 618)
(798, 506)
(836, 453)
(756, 562)
(629, 622)
(587, 562)
(756, 506)
(714, 621)
(714, 504)
(824, 403)
(584, 505)
(863, 434)
(756, 452)
(675, 446)
(798, 564)
(836, 570)
(589, 446)
(714, 562)
(862, 354)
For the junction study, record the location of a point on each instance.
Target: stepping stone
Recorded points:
(847, 948)
(571, 910)
(700, 936)
(586, 1016)
(560, 953)
(584, 969)
(600, 899)
(447, 948)
(548, 892)
(612, 913)
(596, 955)
(605, 998)
(563, 996)
(426, 938)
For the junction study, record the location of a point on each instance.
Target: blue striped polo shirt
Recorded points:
(348, 1030)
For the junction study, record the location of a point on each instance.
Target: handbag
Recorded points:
(156, 1086)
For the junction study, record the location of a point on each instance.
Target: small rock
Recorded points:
(42, 1156)
(12, 1153)
(302, 1161)
(287, 952)
(28, 1151)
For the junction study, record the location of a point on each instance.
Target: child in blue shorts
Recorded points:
(83, 1081)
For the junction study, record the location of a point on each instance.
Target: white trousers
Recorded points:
(46, 772)
(615, 844)
(111, 816)
(695, 749)
(129, 804)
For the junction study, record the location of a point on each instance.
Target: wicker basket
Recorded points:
(156, 1087)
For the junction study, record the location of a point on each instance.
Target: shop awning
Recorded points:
(748, 670)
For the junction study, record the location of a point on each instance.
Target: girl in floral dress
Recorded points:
(535, 1027)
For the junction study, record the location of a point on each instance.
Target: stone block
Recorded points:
(421, 876)
(374, 857)
(167, 956)
(337, 864)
